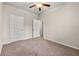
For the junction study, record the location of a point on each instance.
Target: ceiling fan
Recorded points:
(39, 5)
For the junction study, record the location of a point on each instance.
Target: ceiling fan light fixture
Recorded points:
(39, 5)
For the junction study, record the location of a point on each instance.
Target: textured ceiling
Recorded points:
(25, 6)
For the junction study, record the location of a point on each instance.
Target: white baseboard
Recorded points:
(13, 40)
(62, 43)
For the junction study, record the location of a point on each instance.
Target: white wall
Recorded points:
(28, 16)
(1, 32)
(62, 24)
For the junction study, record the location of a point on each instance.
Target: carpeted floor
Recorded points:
(37, 47)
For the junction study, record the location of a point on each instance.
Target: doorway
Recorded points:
(37, 28)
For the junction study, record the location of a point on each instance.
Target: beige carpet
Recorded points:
(37, 47)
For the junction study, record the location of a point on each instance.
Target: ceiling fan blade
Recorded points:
(39, 9)
(32, 6)
(47, 5)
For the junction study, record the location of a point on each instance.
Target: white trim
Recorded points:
(10, 41)
(62, 43)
